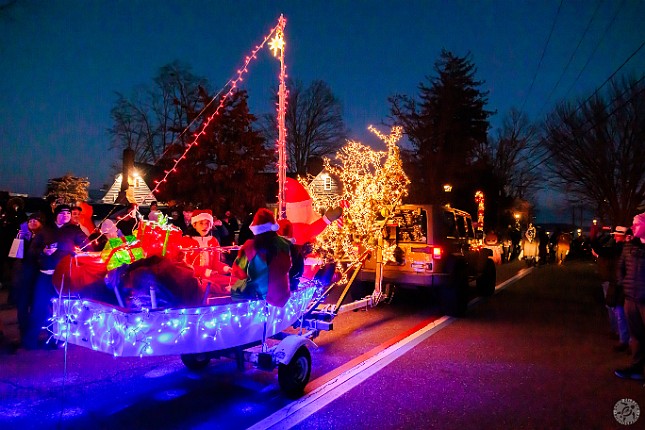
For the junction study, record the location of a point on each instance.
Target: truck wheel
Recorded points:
(487, 279)
(195, 361)
(293, 377)
(454, 295)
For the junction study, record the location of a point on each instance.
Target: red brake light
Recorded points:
(436, 253)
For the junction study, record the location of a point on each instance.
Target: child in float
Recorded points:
(212, 272)
(263, 263)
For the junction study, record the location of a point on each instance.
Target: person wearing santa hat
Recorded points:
(263, 263)
(307, 224)
(203, 255)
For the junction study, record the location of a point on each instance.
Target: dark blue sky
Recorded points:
(62, 61)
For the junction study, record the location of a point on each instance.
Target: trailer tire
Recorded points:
(487, 279)
(294, 376)
(195, 361)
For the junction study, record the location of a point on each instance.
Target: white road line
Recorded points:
(299, 410)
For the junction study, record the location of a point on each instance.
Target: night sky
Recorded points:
(61, 61)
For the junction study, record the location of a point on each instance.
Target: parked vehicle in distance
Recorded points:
(436, 248)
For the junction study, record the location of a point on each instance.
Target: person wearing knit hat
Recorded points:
(54, 242)
(202, 253)
(307, 224)
(263, 263)
(631, 276)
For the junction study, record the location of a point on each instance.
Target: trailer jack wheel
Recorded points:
(293, 377)
(195, 361)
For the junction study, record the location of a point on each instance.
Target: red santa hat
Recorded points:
(201, 214)
(263, 221)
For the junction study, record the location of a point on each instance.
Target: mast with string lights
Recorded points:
(277, 45)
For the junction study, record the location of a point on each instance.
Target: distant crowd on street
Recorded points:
(535, 245)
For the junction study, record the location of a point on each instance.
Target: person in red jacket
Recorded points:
(202, 253)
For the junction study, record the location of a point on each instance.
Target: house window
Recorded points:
(327, 183)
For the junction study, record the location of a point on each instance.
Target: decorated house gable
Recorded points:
(326, 184)
(141, 192)
(141, 181)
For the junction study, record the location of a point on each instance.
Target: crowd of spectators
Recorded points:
(33, 240)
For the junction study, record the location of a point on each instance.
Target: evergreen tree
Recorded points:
(225, 169)
(68, 189)
(444, 126)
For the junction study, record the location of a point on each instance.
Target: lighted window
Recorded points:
(327, 183)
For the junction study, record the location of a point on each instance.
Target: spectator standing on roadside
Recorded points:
(232, 225)
(154, 213)
(129, 221)
(14, 216)
(607, 249)
(55, 242)
(219, 230)
(76, 219)
(631, 275)
(26, 271)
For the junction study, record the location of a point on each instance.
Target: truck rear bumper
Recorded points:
(407, 279)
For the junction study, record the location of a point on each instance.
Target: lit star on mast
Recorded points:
(277, 44)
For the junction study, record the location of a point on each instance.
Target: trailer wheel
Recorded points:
(294, 376)
(195, 361)
(487, 279)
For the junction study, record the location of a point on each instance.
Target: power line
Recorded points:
(611, 23)
(546, 153)
(593, 122)
(584, 33)
(542, 56)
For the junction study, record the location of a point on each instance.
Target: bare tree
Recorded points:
(597, 152)
(510, 156)
(315, 127)
(154, 118)
(503, 170)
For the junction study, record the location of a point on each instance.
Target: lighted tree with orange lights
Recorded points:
(373, 185)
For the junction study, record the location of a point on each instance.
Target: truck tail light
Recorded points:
(436, 253)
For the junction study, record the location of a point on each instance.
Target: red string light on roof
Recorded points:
(277, 30)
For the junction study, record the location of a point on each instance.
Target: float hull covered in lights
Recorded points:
(121, 332)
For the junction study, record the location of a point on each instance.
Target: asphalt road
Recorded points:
(536, 355)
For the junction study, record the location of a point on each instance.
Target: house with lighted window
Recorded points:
(326, 184)
(136, 189)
